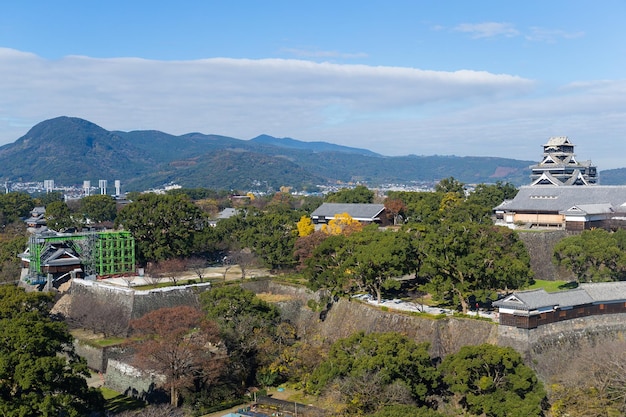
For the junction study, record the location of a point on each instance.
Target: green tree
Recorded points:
(374, 258)
(464, 260)
(594, 255)
(59, 217)
(164, 226)
(493, 381)
(490, 195)
(324, 268)
(14, 206)
(451, 185)
(358, 194)
(271, 236)
(386, 358)
(40, 374)
(98, 208)
(44, 199)
(406, 411)
(245, 322)
(13, 239)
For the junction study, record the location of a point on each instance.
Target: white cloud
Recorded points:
(315, 53)
(390, 110)
(539, 34)
(488, 29)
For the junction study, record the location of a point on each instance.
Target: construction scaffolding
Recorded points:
(99, 253)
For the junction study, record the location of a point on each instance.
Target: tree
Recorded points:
(59, 216)
(388, 358)
(245, 323)
(198, 266)
(464, 260)
(358, 194)
(396, 208)
(170, 269)
(13, 239)
(493, 381)
(406, 411)
(374, 258)
(342, 223)
(305, 226)
(305, 245)
(40, 374)
(490, 195)
(14, 206)
(271, 236)
(179, 344)
(98, 208)
(164, 226)
(594, 255)
(451, 185)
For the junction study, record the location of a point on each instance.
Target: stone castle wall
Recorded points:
(540, 246)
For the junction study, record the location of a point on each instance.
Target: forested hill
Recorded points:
(71, 150)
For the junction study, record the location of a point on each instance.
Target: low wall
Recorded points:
(563, 335)
(135, 303)
(128, 380)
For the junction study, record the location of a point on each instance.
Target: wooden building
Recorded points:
(530, 309)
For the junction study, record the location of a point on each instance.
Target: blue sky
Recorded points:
(484, 78)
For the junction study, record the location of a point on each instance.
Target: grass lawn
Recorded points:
(116, 402)
(552, 286)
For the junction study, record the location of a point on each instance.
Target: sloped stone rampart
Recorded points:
(540, 246)
(345, 317)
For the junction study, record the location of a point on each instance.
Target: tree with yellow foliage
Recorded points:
(305, 226)
(342, 224)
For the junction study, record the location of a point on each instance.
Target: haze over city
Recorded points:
(482, 78)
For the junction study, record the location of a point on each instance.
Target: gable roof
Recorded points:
(562, 198)
(558, 140)
(586, 293)
(583, 209)
(536, 299)
(364, 212)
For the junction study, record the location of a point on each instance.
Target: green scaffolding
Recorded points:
(101, 253)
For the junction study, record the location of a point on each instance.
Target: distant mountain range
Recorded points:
(70, 150)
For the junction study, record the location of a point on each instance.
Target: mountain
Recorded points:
(310, 146)
(70, 150)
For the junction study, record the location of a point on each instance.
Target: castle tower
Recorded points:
(560, 167)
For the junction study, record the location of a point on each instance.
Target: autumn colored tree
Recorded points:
(178, 343)
(305, 245)
(170, 269)
(305, 226)
(342, 223)
(396, 208)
